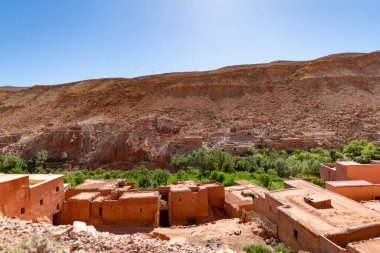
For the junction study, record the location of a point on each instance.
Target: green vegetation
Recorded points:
(257, 248)
(267, 167)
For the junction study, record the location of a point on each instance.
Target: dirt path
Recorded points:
(220, 235)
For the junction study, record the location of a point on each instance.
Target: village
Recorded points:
(342, 217)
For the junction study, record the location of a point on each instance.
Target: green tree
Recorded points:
(12, 162)
(40, 158)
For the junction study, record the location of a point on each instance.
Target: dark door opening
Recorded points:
(164, 218)
(56, 219)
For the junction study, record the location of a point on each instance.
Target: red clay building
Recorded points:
(310, 218)
(29, 197)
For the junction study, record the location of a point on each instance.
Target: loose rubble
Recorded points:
(82, 238)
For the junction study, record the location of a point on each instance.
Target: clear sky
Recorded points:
(57, 41)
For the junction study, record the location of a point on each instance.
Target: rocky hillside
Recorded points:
(121, 122)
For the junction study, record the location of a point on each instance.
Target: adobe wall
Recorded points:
(52, 200)
(76, 210)
(345, 236)
(269, 208)
(185, 205)
(326, 173)
(328, 246)
(14, 196)
(341, 172)
(367, 172)
(139, 211)
(356, 193)
(216, 196)
(295, 235)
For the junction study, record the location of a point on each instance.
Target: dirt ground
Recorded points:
(226, 234)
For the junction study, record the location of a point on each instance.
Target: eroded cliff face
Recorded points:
(122, 122)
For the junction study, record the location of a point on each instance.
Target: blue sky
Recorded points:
(58, 41)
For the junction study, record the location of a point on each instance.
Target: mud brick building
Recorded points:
(238, 198)
(360, 182)
(308, 217)
(112, 202)
(29, 197)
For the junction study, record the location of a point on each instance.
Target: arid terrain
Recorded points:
(120, 122)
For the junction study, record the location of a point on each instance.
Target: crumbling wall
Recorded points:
(216, 195)
(139, 211)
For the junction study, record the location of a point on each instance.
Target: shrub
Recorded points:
(264, 179)
(281, 248)
(319, 182)
(257, 248)
(35, 243)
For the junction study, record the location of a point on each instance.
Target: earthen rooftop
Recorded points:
(104, 184)
(85, 196)
(138, 195)
(368, 246)
(344, 213)
(8, 177)
(348, 183)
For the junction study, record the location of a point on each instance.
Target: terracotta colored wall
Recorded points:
(326, 173)
(75, 210)
(19, 195)
(14, 196)
(72, 192)
(367, 172)
(328, 246)
(133, 211)
(341, 173)
(306, 240)
(186, 205)
(356, 193)
(52, 199)
(216, 196)
(358, 233)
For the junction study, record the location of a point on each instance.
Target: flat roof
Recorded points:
(348, 183)
(344, 212)
(85, 196)
(9, 177)
(372, 204)
(348, 163)
(367, 246)
(101, 184)
(138, 195)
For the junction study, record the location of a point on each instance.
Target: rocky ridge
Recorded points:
(120, 123)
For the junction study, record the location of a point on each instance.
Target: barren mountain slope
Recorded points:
(119, 122)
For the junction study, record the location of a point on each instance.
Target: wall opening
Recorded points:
(100, 211)
(164, 218)
(22, 210)
(295, 233)
(58, 207)
(57, 189)
(377, 197)
(41, 202)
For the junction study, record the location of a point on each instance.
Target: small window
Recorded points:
(295, 233)
(180, 199)
(41, 202)
(270, 208)
(58, 207)
(140, 210)
(57, 189)
(100, 211)
(22, 210)
(377, 197)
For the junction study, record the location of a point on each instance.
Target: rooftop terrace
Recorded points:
(103, 184)
(343, 213)
(368, 246)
